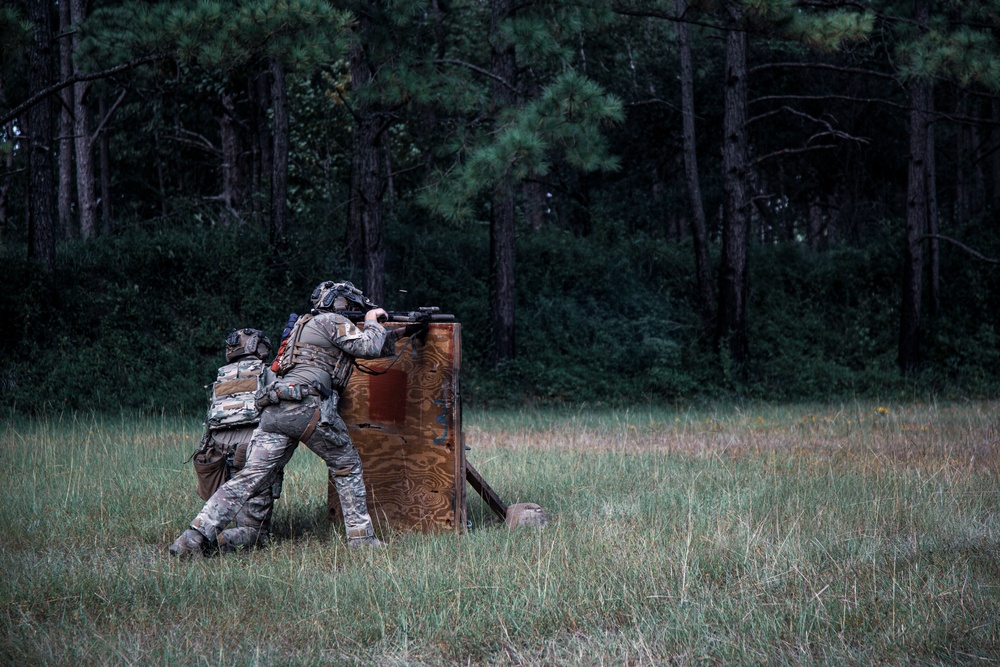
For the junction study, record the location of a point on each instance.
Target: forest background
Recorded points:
(621, 201)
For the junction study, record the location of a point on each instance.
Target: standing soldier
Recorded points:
(301, 406)
(232, 418)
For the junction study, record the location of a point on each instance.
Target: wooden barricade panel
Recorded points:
(406, 423)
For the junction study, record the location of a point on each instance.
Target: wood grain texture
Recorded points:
(406, 424)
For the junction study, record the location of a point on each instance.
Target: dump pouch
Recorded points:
(210, 469)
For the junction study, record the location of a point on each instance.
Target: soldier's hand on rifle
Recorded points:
(376, 315)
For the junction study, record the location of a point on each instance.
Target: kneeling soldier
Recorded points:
(232, 417)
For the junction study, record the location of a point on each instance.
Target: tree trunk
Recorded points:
(932, 215)
(995, 157)
(263, 144)
(535, 203)
(279, 174)
(731, 332)
(236, 170)
(978, 195)
(503, 228)
(65, 124)
(703, 271)
(963, 169)
(5, 184)
(161, 175)
(916, 220)
(41, 220)
(369, 175)
(105, 160)
(86, 200)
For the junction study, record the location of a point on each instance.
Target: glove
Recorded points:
(266, 398)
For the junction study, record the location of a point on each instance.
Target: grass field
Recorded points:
(836, 534)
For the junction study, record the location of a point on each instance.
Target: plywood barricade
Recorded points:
(406, 422)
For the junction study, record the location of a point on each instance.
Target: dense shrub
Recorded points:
(138, 319)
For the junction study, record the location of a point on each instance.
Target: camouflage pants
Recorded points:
(272, 447)
(253, 521)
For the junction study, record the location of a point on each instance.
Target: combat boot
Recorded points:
(191, 544)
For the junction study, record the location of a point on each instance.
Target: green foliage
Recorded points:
(138, 320)
(829, 31)
(956, 45)
(564, 121)
(215, 34)
(15, 35)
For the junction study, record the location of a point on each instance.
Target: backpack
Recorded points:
(234, 394)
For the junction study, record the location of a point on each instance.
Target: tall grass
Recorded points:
(852, 534)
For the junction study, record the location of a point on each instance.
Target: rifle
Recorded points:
(417, 321)
(422, 315)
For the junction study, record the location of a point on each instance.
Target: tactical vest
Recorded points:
(332, 360)
(234, 394)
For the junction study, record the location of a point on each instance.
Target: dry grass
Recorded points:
(852, 534)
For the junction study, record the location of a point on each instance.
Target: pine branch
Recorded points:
(474, 68)
(618, 8)
(654, 100)
(961, 245)
(820, 98)
(837, 4)
(791, 151)
(827, 66)
(107, 116)
(194, 139)
(347, 105)
(831, 131)
(848, 4)
(77, 78)
(940, 115)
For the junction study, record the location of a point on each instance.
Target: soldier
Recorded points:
(301, 405)
(232, 418)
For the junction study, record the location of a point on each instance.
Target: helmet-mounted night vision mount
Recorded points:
(325, 296)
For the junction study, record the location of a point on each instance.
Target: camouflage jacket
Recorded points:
(338, 336)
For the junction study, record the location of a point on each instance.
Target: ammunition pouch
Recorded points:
(285, 391)
(328, 409)
(239, 457)
(279, 480)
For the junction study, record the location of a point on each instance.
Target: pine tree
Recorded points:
(41, 216)
(740, 20)
(234, 43)
(554, 117)
(936, 41)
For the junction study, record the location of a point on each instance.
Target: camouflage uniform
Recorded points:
(282, 425)
(232, 419)
(253, 520)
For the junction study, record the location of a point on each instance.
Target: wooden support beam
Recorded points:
(498, 506)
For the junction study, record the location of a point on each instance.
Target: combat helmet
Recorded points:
(324, 297)
(247, 343)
